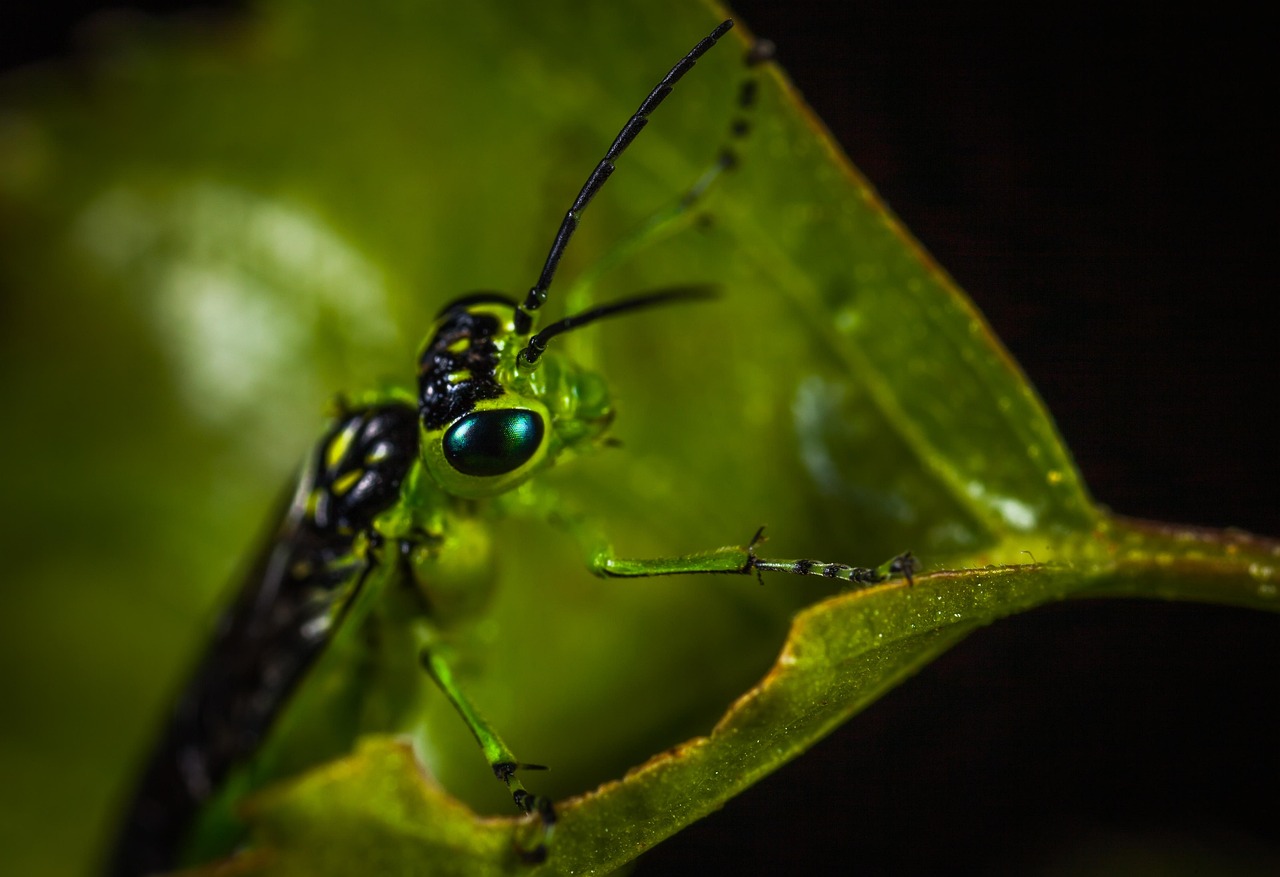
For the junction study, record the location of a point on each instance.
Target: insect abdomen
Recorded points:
(272, 634)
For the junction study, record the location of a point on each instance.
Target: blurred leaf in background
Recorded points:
(216, 230)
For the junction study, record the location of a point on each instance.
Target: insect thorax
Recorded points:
(458, 365)
(357, 469)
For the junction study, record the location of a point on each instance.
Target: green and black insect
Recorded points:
(395, 475)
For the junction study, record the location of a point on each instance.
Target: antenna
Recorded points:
(538, 294)
(538, 343)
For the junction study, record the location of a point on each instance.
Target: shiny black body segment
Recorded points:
(299, 592)
(272, 634)
(461, 346)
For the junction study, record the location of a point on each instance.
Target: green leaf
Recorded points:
(227, 227)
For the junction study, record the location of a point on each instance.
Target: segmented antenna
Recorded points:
(538, 343)
(538, 294)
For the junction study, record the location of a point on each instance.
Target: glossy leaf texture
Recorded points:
(208, 233)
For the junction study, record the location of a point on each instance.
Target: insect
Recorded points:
(396, 475)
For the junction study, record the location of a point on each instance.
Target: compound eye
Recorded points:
(494, 442)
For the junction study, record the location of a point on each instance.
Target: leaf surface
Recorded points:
(215, 231)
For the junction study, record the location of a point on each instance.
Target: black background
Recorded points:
(1102, 182)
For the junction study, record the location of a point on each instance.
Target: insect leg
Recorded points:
(744, 561)
(501, 759)
(730, 560)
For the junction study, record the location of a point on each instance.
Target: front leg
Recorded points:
(744, 561)
(425, 591)
(502, 761)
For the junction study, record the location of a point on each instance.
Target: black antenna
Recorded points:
(538, 294)
(538, 343)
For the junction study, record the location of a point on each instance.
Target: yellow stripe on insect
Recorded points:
(345, 482)
(338, 447)
(314, 499)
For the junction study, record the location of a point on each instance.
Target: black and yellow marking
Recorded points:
(383, 484)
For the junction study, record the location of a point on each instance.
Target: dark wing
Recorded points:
(269, 638)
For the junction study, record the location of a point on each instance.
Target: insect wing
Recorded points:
(283, 618)
(255, 658)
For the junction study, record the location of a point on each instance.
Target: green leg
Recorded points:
(744, 561)
(500, 757)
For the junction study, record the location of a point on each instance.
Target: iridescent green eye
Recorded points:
(493, 442)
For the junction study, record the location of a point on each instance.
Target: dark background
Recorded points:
(1102, 182)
